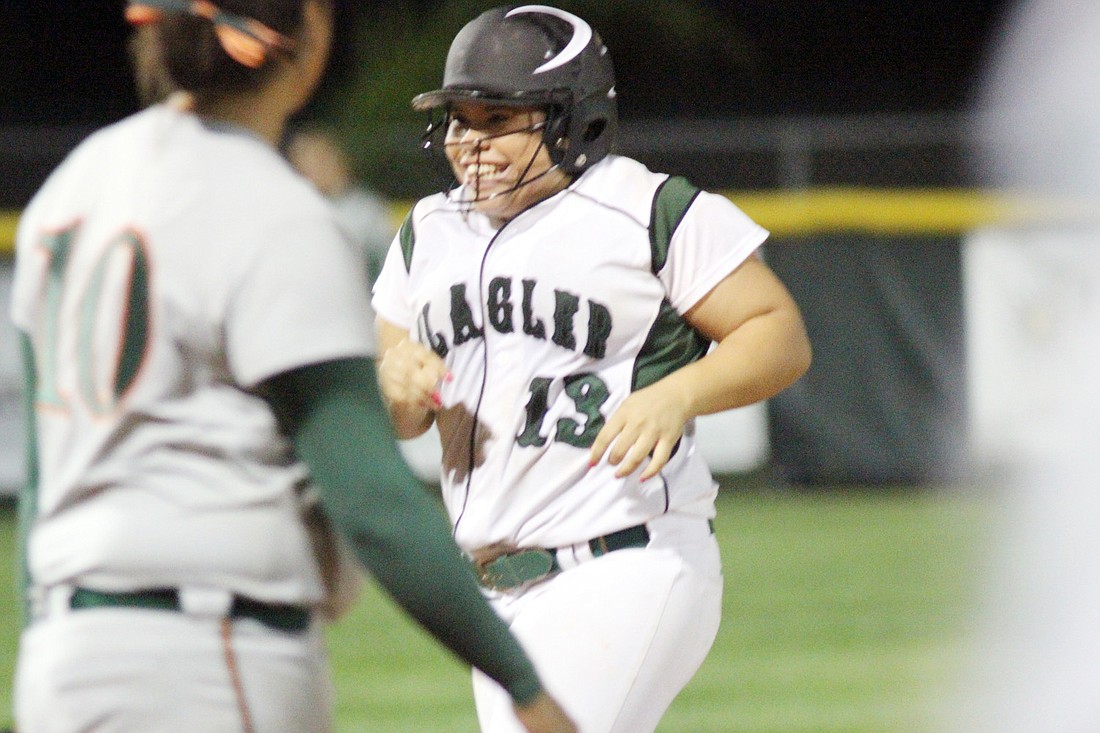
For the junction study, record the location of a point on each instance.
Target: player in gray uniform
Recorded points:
(195, 328)
(562, 315)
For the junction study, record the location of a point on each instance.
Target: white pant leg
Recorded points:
(616, 639)
(110, 670)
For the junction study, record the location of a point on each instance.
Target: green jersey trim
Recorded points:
(671, 342)
(671, 202)
(407, 236)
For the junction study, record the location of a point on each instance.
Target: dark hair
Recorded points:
(182, 51)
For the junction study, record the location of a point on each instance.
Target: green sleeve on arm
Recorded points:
(334, 414)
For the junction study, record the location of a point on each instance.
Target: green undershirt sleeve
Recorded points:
(334, 414)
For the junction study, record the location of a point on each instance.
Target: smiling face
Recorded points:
(498, 154)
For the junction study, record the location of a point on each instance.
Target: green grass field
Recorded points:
(845, 612)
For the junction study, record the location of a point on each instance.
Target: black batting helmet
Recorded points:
(536, 55)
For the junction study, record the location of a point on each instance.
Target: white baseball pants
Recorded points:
(616, 638)
(121, 670)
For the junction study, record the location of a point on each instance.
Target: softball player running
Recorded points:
(194, 322)
(562, 314)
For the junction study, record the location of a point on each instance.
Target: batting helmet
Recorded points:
(535, 55)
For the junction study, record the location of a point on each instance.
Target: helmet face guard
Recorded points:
(536, 56)
(468, 197)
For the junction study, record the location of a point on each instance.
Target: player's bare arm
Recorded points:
(762, 348)
(409, 375)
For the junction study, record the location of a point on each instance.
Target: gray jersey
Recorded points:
(155, 298)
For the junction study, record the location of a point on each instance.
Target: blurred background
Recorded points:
(842, 126)
(929, 171)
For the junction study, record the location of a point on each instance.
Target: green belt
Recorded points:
(276, 615)
(527, 565)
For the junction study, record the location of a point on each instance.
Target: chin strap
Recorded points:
(468, 202)
(246, 40)
(478, 198)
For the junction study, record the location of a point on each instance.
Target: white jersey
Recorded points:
(547, 325)
(166, 267)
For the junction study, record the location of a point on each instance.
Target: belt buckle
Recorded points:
(205, 602)
(516, 569)
(45, 601)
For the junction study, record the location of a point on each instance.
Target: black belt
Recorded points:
(527, 565)
(279, 616)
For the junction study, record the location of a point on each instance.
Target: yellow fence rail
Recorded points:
(890, 212)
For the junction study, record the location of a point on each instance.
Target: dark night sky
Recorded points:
(839, 56)
(64, 60)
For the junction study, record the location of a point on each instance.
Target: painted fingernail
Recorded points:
(437, 399)
(448, 377)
